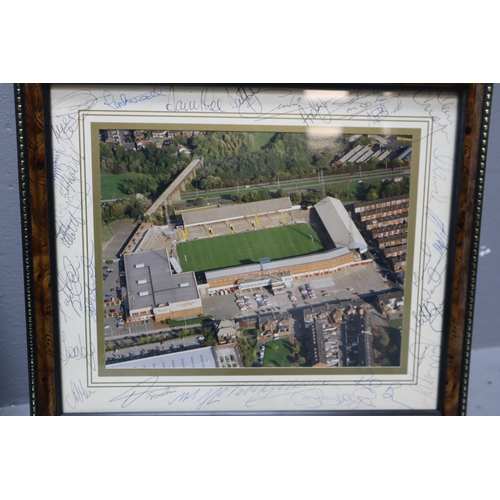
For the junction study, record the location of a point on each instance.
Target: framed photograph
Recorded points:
(251, 249)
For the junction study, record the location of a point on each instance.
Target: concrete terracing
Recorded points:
(173, 192)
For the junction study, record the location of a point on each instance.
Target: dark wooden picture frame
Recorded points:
(33, 121)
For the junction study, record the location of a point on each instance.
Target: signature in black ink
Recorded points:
(376, 115)
(291, 102)
(145, 389)
(428, 361)
(374, 104)
(66, 112)
(65, 172)
(246, 99)
(79, 394)
(70, 286)
(437, 107)
(205, 101)
(428, 311)
(90, 283)
(78, 352)
(316, 110)
(67, 224)
(68, 216)
(442, 168)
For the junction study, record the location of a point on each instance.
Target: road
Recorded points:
(299, 184)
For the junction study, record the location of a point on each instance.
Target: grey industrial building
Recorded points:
(155, 291)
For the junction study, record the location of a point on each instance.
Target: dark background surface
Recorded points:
(484, 386)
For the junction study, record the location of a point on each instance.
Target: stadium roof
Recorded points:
(150, 281)
(229, 212)
(202, 357)
(339, 224)
(276, 265)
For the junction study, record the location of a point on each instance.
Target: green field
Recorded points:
(247, 248)
(106, 233)
(109, 185)
(262, 139)
(396, 323)
(278, 354)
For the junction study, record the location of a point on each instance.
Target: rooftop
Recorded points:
(235, 211)
(202, 357)
(150, 280)
(276, 265)
(339, 224)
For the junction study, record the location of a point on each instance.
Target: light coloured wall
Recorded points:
(484, 394)
(14, 388)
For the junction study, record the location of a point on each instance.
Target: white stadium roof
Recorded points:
(339, 224)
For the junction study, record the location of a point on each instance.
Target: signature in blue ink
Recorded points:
(123, 100)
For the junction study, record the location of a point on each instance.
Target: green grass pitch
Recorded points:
(247, 248)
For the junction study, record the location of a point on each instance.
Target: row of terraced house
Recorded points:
(386, 221)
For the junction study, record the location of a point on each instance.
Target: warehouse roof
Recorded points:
(150, 281)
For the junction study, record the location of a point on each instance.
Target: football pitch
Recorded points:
(247, 248)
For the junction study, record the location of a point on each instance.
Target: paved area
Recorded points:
(346, 284)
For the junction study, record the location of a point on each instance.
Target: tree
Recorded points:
(298, 347)
(184, 333)
(135, 213)
(210, 336)
(381, 339)
(118, 210)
